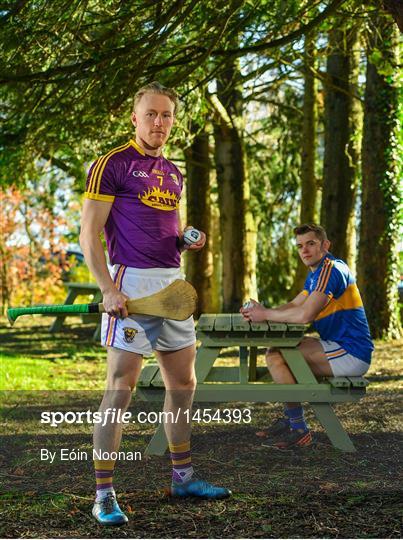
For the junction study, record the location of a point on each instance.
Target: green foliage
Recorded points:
(79, 273)
(69, 70)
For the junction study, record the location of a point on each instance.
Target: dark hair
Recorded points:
(157, 88)
(311, 227)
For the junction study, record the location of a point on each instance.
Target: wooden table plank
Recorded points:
(278, 328)
(258, 393)
(339, 382)
(239, 339)
(239, 323)
(358, 382)
(223, 322)
(147, 374)
(206, 322)
(83, 288)
(259, 326)
(293, 327)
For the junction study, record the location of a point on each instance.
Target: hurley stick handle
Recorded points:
(65, 309)
(176, 301)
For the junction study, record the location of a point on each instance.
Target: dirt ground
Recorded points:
(318, 492)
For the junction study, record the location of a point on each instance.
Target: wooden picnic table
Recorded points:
(241, 383)
(73, 291)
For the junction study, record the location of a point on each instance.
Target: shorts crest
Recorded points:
(130, 334)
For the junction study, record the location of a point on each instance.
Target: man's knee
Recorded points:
(121, 380)
(118, 398)
(274, 358)
(123, 370)
(185, 384)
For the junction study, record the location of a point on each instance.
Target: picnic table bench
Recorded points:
(74, 290)
(242, 383)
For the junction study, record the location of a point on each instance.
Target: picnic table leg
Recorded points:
(158, 444)
(331, 424)
(205, 358)
(324, 412)
(252, 363)
(297, 364)
(243, 364)
(57, 324)
(97, 333)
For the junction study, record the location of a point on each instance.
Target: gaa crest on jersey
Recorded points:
(129, 334)
(174, 178)
(140, 174)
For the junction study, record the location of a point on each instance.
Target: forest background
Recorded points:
(290, 112)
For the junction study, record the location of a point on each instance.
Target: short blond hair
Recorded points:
(157, 88)
(318, 230)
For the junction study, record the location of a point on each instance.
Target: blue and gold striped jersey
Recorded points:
(343, 319)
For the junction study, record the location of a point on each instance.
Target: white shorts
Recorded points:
(342, 363)
(143, 333)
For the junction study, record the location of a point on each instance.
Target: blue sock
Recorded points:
(296, 418)
(286, 418)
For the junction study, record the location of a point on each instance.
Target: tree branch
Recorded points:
(86, 65)
(90, 63)
(18, 6)
(301, 31)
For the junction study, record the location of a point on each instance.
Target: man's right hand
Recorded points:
(114, 303)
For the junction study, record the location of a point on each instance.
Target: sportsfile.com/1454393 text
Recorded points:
(118, 416)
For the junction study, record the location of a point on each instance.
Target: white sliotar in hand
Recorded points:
(191, 236)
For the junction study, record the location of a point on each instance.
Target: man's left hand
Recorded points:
(255, 312)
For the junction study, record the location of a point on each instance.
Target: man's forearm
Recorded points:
(284, 307)
(291, 314)
(95, 258)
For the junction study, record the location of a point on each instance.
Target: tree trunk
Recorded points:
(238, 229)
(199, 265)
(354, 152)
(377, 271)
(308, 180)
(216, 305)
(395, 8)
(340, 174)
(4, 279)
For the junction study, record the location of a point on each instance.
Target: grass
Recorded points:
(318, 493)
(23, 373)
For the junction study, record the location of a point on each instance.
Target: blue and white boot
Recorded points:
(107, 511)
(198, 488)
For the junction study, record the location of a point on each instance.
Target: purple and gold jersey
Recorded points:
(142, 229)
(343, 319)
